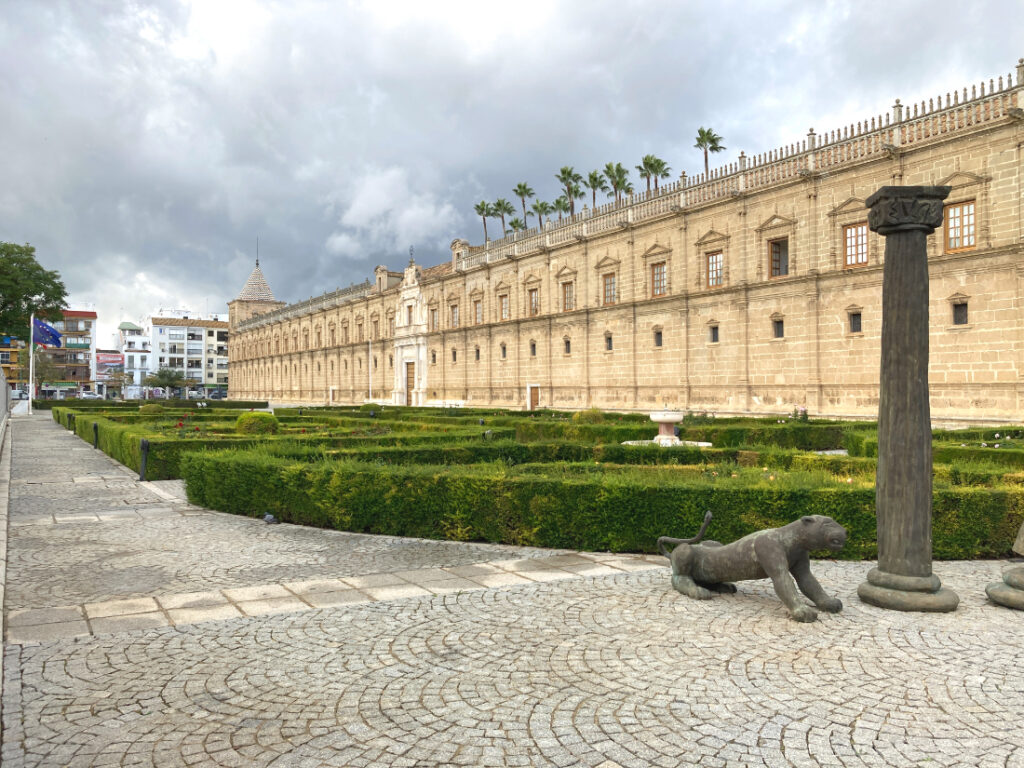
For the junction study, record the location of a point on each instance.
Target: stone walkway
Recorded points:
(144, 631)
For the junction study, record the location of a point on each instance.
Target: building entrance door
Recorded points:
(410, 381)
(534, 397)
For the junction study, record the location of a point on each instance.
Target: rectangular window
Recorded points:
(533, 349)
(344, 337)
(376, 332)
(855, 244)
(391, 328)
(568, 347)
(714, 269)
(478, 312)
(504, 352)
(659, 279)
(657, 338)
(713, 334)
(534, 301)
(609, 288)
(608, 342)
(503, 304)
(477, 353)
(408, 315)
(568, 296)
(455, 356)
(359, 332)
(455, 315)
(855, 326)
(960, 313)
(778, 329)
(960, 226)
(778, 251)
(433, 319)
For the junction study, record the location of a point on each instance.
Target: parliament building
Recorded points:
(752, 290)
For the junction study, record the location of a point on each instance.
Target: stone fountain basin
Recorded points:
(663, 417)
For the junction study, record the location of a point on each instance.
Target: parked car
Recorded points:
(196, 394)
(19, 394)
(217, 394)
(90, 396)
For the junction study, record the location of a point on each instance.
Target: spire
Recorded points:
(256, 288)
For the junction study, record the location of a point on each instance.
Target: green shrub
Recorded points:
(589, 416)
(580, 506)
(151, 408)
(257, 423)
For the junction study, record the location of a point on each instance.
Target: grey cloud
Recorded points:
(132, 149)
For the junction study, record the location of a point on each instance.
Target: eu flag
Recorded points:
(45, 334)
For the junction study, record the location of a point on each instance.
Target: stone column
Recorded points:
(903, 580)
(1010, 591)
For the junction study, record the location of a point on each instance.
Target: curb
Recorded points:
(5, 489)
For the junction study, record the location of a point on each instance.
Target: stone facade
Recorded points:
(754, 290)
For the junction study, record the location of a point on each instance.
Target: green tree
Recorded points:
(523, 191)
(541, 209)
(485, 211)
(167, 378)
(561, 205)
(709, 141)
(618, 178)
(659, 170)
(595, 182)
(25, 287)
(516, 224)
(568, 178)
(644, 170)
(503, 208)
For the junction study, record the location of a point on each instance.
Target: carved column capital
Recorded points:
(906, 209)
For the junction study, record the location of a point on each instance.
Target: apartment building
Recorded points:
(134, 343)
(196, 347)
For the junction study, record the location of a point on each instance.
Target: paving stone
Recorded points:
(204, 613)
(44, 616)
(120, 607)
(395, 591)
(261, 592)
(192, 600)
(341, 597)
(126, 623)
(41, 633)
(272, 605)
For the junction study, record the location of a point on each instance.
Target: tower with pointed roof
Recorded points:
(255, 298)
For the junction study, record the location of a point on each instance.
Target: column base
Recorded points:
(907, 593)
(1010, 591)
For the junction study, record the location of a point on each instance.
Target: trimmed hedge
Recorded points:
(257, 423)
(591, 511)
(49, 405)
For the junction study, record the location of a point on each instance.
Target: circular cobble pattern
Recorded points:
(586, 672)
(89, 562)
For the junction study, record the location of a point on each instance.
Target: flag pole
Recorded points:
(31, 361)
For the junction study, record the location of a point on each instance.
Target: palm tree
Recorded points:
(484, 210)
(644, 169)
(541, 209)
(562, 206)
(618, 177)
(659, 169)
(595, 182)
(516, 224)
(577, 194)
(709, 141)
(568, 177)
(523, 191)
(503, 208)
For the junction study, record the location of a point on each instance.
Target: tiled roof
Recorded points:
(189, 322)
(256, 288)
(128, 326)
(439, 271)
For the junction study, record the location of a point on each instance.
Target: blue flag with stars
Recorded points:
(45, 334)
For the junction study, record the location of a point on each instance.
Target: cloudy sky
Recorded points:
(146, 145)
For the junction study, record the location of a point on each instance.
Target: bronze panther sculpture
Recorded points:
(701, 569)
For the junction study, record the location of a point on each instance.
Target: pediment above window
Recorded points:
(657, 252)
(607, 264)
(501, 287)
(957, 298)
(854, 308)
(565, 274)
(849, 205)
(476, 293)
(531, 279)
(712, 237)
(962, 179)
(776, 222)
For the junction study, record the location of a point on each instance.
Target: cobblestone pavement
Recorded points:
(603, 665)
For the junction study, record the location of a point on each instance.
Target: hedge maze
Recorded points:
(552, 479)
